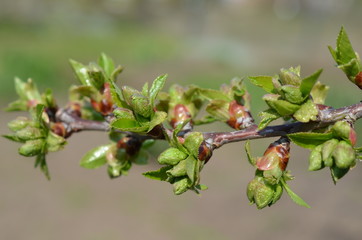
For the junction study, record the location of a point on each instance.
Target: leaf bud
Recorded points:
(178, 170)
(290, 76)
(180, 186)
(315, 159)
(240, 117)
(343, 130)
(141, 105)
(171, 156)
(327, 151)
(277, 193)
(273, 175)
(19, 123)
(32, 147)
(344, 155)
(277, 154)
(263, 195)
(250, 190)
(205, 152)
(29, 133)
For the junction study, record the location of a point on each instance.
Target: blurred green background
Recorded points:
(204, 42)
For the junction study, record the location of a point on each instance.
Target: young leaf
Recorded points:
(41, 162)
(156, 87)
(191, 168)
(107, 64)
(211, 94)
(307, 83)
(192, 143)
(81, 71)
(157, 119)
(309, 139)
(319, 93)
(298, 200)
(251, 159)
(345, 52)
(160, 174)
(266, 82)
(267, 116)
(307, 112)
(96, 157)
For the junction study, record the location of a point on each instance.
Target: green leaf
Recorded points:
(191, 168)
(116, 94)
(41, 162)
(267, 116)
(345, 52)
(351, 69)
(55, 142)
(178, 170)
(32, 147)
(307, 83)
(298, 200)
(145, 89)
(171, 156)
(193, 142)
(107, 64)
(266, 82)
(319, 93)
(211, 94)
(292, 94)
(307, 112)
(180, 186)
(156, 87)
(81, 71)
(96, 157)
(337, 173)
(201, 187)
(309, 139)
(284, 108)
(13, 138)
(159, 174)
(125, 123)
(251, 159)
(157, 119)
(123, 113)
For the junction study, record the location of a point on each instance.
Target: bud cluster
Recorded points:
(336, 153)
(266, 188)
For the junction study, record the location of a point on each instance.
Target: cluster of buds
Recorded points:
(267, 187)
(184, 161)
(337, 153)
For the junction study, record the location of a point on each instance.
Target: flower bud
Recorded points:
(205, 152)
(141, 105)
(344, 155)
(180, 186)
(179, 170)
(29, 133)
(19, 123)
(273, 175)
(263, 195)
(344, 130)
(277, 193)
(171, 156)
(290, 76)
(327, 150)
(250, 190)
(32, 147)
(315, 159)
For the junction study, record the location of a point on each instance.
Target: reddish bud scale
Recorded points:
(240, 117)
(282, 148)
(105, 106)
(322, 107)
(76, 109)
(180, 114)
(59, 129)
(358, 80)
(353, 137)
(205, 152)
(130, 144)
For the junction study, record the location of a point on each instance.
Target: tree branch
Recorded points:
(217, 139)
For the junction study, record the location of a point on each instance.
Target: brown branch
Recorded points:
(216, 139)
(326, 117)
